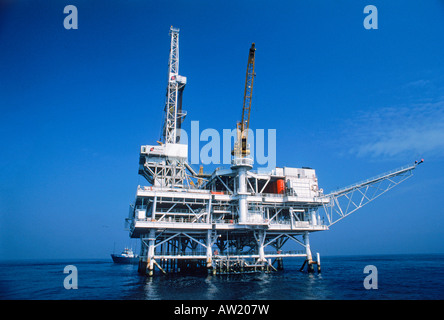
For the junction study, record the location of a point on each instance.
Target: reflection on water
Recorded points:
(150, 289)
(342, 278)
(281, 285)
(211, 292)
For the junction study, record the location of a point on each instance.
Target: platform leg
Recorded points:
(309, 259)
(150, 260)
(209, 252)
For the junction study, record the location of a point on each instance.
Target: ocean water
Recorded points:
(399, 277)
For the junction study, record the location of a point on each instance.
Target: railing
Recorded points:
(181, 211)
(203, 220)
(205, 191)
(273, 195)
(194, 219)
(163, 188)
(242, 162)
(288, 252)
(186, 253)
(226, 253)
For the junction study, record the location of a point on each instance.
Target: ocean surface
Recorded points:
(399, 277)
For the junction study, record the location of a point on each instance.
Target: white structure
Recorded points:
(235, 219)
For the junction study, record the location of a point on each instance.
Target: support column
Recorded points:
(150, 257)
(261, 245)
(241, 191)
(313, 218)
(280, 263)
(142, 264)
(209, 211)
(308, 253)
(153, 214)
(209, 252)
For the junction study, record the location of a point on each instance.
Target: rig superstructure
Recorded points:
(233, 220)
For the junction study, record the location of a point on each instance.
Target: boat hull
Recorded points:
(124, 260)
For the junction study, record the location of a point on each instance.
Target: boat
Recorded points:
(126, 257)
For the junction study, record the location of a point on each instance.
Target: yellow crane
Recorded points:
(241, 148)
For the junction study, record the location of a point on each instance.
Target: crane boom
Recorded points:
(248, 93)
(241, 148)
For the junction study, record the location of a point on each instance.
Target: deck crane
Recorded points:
(241, 148)
(241, 163)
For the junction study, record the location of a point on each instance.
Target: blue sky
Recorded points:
(77, 104)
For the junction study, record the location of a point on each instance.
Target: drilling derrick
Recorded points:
(235, 219)
(164, 165)
(176, 84)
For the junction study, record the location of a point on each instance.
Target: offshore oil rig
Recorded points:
(234, 220)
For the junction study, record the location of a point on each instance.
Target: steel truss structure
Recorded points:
(345, 201)
(176, 84)
(233, 220)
